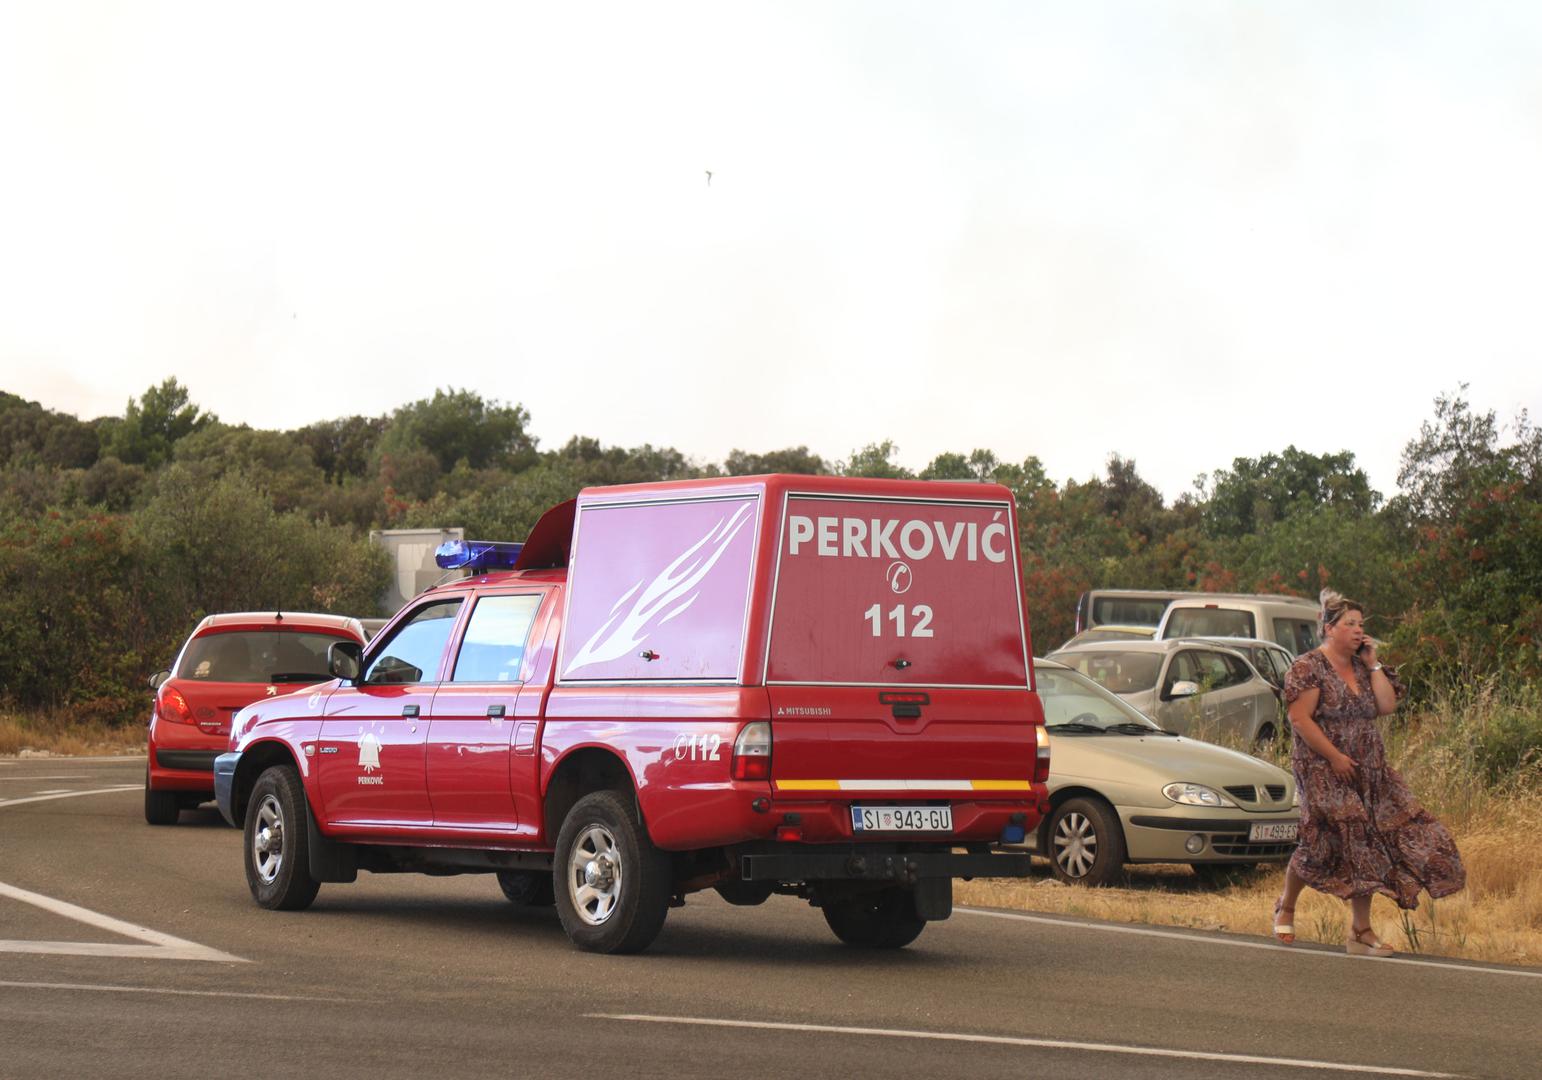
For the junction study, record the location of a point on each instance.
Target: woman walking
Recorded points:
(1362, 832)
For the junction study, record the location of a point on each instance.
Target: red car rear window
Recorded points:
(257, 656)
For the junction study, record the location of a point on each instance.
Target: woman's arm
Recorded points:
(1307, 731)
(1381, 686)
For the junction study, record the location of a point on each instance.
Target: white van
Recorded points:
(1290, 621)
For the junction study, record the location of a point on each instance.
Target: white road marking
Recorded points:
(1013, 1040)
(57, 791)
(70, 795)
(160, 990)
(156, 945)
(1401, 960)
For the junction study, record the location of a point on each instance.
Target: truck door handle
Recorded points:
(410, 710)
(495, 710)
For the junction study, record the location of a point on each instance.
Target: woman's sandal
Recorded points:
(1357, 945)
(1284, 932)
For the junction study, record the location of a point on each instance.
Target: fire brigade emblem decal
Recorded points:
(369, 757)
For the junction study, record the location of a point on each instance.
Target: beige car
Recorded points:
(1122, 790)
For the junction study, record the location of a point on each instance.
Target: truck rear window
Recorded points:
(881, 592)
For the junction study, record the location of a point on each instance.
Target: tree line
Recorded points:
(118, 533)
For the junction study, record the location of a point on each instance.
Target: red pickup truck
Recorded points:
(816, 686)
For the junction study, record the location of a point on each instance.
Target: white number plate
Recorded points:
(1278, 830)
(902, 819)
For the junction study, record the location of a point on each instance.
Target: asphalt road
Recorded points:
(128, 951)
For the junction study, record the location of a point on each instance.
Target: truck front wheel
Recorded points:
(276, 842)
(885, 919)
(612, 884)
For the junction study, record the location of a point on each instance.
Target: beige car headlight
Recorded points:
(1196, 795)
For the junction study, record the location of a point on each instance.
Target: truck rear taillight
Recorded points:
(1041, 759)
(173, 706)
(752, 752)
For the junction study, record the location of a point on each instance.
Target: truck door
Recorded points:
(481, 735)
(370, 760)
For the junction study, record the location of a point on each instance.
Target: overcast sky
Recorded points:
(1182, 232)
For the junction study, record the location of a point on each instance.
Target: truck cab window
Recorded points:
(493, 649)
(413, 653)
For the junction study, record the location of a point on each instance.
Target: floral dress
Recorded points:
(1365, 835)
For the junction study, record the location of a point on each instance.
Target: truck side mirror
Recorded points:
(345, 660)
(159, 678)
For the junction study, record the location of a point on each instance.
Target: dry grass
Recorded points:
(59, 733)
(1498, 917)
(1455, 757)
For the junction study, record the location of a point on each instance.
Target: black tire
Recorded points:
(1084, 842)
(1264, 740)
(276, 844)
(1220, 875)
(527, 888)
(612, 884)
(161, 807)
(741, 893)
(882, 919)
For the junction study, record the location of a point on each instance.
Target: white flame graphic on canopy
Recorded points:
(654, 603)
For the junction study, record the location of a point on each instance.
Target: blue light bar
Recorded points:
(477, 556)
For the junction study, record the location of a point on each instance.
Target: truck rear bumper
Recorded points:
(905, 867)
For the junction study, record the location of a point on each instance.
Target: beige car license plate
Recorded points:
(902, 819)
(1274, 830)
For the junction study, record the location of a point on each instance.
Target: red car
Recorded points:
(227, 663)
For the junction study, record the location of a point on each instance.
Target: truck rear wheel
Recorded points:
(276, 845)
(612, 884)
(885, 919)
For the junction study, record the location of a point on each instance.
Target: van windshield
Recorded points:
(1209, 622)
(1127, 611)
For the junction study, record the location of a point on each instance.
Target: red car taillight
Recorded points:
(173, 706)
(752, 752)
(1041, 759)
